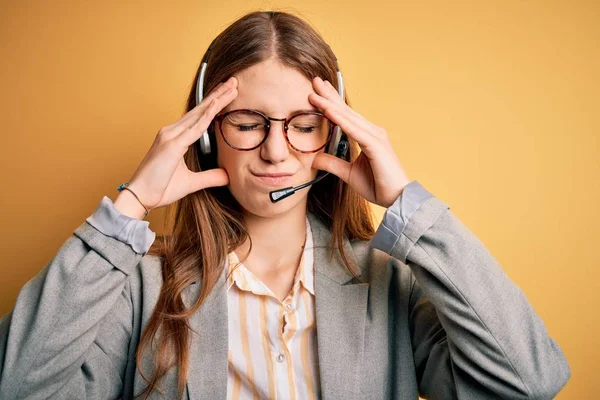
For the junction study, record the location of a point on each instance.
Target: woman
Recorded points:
(250, 298)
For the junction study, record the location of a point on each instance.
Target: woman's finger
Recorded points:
(191, 134)
(210, 178)
(337, 166)
(192, 116)
(351, 125)
(326, 89)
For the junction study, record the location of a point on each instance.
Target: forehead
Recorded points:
(272, 88)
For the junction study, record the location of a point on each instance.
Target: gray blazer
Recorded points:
(436, 316)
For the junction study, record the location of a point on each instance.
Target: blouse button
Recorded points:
(288, 306)
(280, 357)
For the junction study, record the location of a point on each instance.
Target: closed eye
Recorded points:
(246, 128)
(304, 129)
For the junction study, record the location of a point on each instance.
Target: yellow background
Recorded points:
(492, 106)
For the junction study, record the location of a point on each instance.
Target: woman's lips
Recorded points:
(274, 179)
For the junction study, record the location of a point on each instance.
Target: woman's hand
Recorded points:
(376, 174)
(163, 177)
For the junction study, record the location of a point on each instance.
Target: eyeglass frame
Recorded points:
(220, 117)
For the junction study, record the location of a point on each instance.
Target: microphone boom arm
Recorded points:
(277, 195)
(281, 194)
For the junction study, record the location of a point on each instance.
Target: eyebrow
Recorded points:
(292, 113)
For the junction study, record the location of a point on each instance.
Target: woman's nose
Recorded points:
(275, 147)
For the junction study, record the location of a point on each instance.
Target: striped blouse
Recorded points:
(272, 344)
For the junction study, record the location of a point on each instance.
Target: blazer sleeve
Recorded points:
(68, 334)
(474, 333)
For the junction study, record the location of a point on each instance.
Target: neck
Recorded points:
(277, 242)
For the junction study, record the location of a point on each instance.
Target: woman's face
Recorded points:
(277, 91)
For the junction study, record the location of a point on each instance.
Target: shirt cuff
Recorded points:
(111, 222)
(397, 216)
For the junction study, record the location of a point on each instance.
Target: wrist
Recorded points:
(128, 205)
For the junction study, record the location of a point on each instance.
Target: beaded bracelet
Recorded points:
(123, 186)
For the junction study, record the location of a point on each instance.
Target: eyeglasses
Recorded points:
(244, 129)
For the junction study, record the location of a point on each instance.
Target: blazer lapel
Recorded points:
(341, 309)
(207, 378)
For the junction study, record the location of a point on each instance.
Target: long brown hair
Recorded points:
(206, 225)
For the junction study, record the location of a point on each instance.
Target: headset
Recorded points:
(337, 147)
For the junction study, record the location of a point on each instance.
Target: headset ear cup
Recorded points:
(336, 137)
(342, 148)
(205, 144)
(209, 160)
